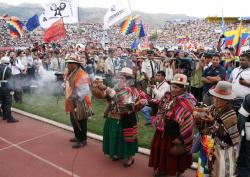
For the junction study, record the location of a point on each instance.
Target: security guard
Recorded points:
(5, 90)
(243, 162)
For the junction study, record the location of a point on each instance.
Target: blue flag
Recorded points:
(134, 45)
(139, 34)
(142, 33)
(32, 23)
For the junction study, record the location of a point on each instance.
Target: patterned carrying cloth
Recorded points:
(178, 109)
(126, 100)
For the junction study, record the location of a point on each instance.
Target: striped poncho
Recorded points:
(182, 113)
(225, 125)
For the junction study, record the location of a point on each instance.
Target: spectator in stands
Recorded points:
(196, 83)
(211, 76)
(240, 78)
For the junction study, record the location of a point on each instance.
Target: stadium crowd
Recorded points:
(170, 82)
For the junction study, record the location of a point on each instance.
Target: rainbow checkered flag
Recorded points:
(128, 26)
(15, 27)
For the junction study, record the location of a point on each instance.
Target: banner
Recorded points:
(66, 9)
(118, 10)
(55, 32)
(45, 21)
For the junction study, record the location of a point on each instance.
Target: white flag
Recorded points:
(45, 20)
(118, 10)
(66, 9)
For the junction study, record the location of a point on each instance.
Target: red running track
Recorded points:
(31, 148)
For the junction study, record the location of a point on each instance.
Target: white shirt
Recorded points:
(160, 90)
(238, 89)
(109, 65)
(17, 68)
(57, 64)
(169, 74)
(146, 68)
(24, 61)
(30, 61)
(39, 65)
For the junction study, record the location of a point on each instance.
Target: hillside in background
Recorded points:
(92, 15)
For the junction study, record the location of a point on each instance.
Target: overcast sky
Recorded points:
(198, 8)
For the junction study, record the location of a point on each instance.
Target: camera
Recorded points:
(12, 60)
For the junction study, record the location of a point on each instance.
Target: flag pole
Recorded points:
(78, 11)
(130, 9)
(78, 14)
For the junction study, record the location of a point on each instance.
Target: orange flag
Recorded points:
(55, 32)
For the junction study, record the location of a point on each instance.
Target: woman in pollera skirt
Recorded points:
(120, 128)
(171, 146)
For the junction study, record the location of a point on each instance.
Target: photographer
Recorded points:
(110, 71)
(57, 63)
(17, 70)
(148, 68)
(183, 64)
(158, 91)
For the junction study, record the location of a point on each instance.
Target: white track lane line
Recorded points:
(40, 158)
(37, 137)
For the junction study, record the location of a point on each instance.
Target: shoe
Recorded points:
(79, 144)
(159, 174)
(125, 164)
(116, 158)
(12, 120)
(73, 140)
(147, 124)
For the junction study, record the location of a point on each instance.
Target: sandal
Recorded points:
(126, 164)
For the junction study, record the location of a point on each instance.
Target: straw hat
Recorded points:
(74, 59)
(180, 79)
(223, 90)
(127, 72)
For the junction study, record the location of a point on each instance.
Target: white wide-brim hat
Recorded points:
(180, 79)
(223, 90)
(127, 72)
(74, 59)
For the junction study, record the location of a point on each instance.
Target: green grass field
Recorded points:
(46, 105)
